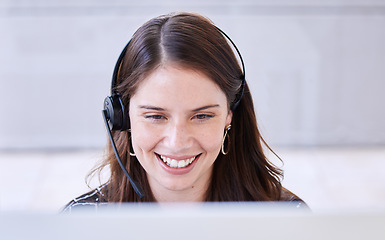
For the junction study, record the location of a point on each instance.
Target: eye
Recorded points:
(203, 116)
(155, 117)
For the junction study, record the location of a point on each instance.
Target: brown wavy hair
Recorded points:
(192, 41)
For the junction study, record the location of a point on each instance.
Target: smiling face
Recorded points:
(178, 117)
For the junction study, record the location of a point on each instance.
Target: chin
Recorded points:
(176, 185)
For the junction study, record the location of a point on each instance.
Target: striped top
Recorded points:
(96, 198)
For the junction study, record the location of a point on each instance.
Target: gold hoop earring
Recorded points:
(129, 139)
(132, 154)
(224, 139)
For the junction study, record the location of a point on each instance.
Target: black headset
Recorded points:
(116, 117)
(116, 112)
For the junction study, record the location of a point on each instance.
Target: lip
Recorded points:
(178, 171)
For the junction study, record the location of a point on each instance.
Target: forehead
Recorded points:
(180, 85)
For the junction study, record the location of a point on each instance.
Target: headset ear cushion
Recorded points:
(115, 112)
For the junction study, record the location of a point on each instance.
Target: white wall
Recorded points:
(316, 69)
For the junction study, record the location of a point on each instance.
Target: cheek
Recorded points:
(144, 139)
(211, 141)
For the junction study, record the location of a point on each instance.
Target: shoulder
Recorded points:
(290, 197)
(90, 199)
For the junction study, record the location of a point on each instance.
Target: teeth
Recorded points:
(181, 164)
(174, 163)
(177, 164)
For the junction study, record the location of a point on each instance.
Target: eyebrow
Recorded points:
(206, 107)
(149, 107)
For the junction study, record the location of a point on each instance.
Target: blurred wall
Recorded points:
(316, 68)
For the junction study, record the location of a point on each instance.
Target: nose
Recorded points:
(179, 137)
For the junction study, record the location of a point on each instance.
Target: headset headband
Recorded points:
(240, 93)
(116, 69)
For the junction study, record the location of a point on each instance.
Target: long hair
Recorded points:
(192, 41)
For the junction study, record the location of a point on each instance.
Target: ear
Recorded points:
(229, 118)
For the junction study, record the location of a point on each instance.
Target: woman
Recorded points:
(191, 131)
